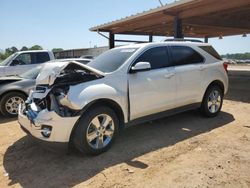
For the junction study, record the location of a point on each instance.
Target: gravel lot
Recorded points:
(184, 150)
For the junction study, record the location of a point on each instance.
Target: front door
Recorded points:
(154, 90)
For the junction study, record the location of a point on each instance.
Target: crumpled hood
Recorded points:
(52, 70)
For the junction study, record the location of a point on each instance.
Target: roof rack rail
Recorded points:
(182, 40)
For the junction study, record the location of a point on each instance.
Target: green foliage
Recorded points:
(238, 56)
(36, 47)
(13, 49)
(57, 50)
(24, 48)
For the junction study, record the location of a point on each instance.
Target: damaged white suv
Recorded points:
(86, 105)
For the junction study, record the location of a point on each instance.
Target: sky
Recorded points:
(65, 23)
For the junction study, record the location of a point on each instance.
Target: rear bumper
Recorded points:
(61, 127)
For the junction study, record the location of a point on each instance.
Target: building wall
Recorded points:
(76, 53)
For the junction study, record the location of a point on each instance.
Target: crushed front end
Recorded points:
(48, 115)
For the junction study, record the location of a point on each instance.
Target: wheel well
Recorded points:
(111, 104)
(101, 102)
(217, 83)
(11, 91)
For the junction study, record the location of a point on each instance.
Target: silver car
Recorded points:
(15, 89)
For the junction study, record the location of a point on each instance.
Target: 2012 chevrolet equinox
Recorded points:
(86, 105)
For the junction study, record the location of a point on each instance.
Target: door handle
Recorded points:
(168, 76)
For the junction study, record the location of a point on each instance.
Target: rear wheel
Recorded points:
(96, 131)
(10, 102)
(212, 101)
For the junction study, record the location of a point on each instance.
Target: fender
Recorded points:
(83, 94)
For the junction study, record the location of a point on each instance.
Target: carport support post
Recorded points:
(150, 39)
(178, 28)
(206, 39)
(111, 40)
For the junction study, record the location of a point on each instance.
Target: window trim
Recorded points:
(145, 50)
(171, 55)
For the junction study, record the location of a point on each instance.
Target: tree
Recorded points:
(24, 48)
(57, 50)
(11, 50)
(36, 47)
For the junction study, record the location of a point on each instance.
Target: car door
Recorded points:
(154, 90)
(25, 64)
(188, 66)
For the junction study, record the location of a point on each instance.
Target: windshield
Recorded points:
(112, 59)
(6, 61)
(31, 74)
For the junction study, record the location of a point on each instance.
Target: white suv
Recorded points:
(86, 105)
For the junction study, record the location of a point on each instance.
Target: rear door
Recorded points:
(188, 66)
(154, 90)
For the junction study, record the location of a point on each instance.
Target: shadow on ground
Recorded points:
(31, 166)
(6, 120)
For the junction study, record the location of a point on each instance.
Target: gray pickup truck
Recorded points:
(23, 61)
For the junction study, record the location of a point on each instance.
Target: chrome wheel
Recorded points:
(12, 105)
(100, 131)
(214, 101)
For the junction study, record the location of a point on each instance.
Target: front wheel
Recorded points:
(212, 101)
(96, 130)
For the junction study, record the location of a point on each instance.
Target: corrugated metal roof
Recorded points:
(150, 11)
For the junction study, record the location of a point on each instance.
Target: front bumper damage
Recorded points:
(34, 125)
(37, 122)
(48, 115)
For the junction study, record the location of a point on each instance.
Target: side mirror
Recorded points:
(15, 62)
(140, 66)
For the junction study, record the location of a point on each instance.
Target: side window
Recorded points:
(24, 59)
(157, 57)
(183, 55)
(42, 57)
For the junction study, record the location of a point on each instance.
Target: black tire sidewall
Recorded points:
(204, 106)
(5, 98)
(79, 137)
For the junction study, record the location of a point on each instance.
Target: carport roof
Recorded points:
(200, 18)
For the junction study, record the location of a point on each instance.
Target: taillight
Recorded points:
(225, 65)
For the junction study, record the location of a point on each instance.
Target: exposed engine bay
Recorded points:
(53, 96)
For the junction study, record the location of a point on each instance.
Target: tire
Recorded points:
(211, 104)
(6, 109)
(88, 128)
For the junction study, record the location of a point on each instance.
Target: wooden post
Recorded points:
(111, 40)
(178, 28)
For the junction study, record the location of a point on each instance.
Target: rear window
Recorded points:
(211, 51)
(42, 57)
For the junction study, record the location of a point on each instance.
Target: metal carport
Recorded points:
(185, 18)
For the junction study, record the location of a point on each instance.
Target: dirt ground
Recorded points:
(184, 150)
